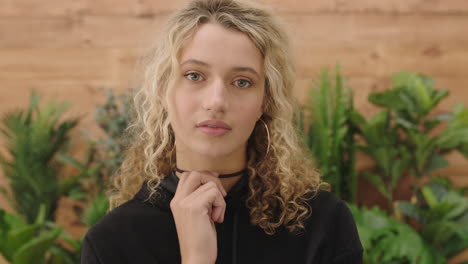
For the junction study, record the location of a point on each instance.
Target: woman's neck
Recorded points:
(221, 165)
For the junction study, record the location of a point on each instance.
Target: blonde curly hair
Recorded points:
(282, 179)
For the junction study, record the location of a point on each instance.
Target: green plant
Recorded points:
(33, 139)
(383, 145)
(400, 138)
(96, 209)
(22, 243)
(329, 133)
(65, 255)
(92, 173)
(442, 212)
(388, 241)
(104, 155)
(113, 117)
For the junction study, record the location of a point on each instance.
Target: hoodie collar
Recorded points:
(234, 199)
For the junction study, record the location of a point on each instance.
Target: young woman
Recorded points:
(216, 172)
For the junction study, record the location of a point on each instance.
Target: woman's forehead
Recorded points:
(215, 46)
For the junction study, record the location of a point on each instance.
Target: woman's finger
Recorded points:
(196, 195)
(213, 199)
(209, 197)
(190, 181)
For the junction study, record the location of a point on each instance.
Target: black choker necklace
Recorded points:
(221, 175)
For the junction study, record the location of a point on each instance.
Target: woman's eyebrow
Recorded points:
(237, 69)
(194, 61)
(248, 69)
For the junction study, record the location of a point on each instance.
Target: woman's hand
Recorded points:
(197, 203)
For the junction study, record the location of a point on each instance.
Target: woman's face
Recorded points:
(218, 93)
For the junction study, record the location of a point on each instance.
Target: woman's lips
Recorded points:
(214, 131)
(214, 127)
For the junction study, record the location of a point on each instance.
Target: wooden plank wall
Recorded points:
(67, 50)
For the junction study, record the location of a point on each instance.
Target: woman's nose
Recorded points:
(215, 98)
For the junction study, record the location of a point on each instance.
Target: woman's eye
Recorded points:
(243, 83)
(193, 76)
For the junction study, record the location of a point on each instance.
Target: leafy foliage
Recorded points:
(22, 243)
(96, 209)
(399, 138)
(330, 135)
(34, 138)
(105, 155)
(455, 136)
(114, 116)
(388, 241)
(62, 255)
(384, 146)
(442, 212)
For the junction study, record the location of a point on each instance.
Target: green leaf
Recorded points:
(70, 160)
(455, 136)
(388, 98)
(429, 197)
(377, 181)
(410, 210)
(71, 183)
(96, 210)
(421, 92)
(11, 221)
(437, 96)
(460, 205)
(357, 119)
(40, 219)
(74, 243)
(435, 162)
(386, 240)
(16, 238)
(34, 250)
(408, 124)
(77, 194)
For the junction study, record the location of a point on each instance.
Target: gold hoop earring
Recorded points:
(268, 136)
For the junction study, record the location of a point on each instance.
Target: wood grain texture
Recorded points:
(152, 7)
(326, 29)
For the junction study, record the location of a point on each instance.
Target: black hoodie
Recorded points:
(144, 232)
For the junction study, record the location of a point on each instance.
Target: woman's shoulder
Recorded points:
(129, 216)
(127, 228)
(332, 218)
(329, 210)
(133, 213)
(324, 200)
(115, 219)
